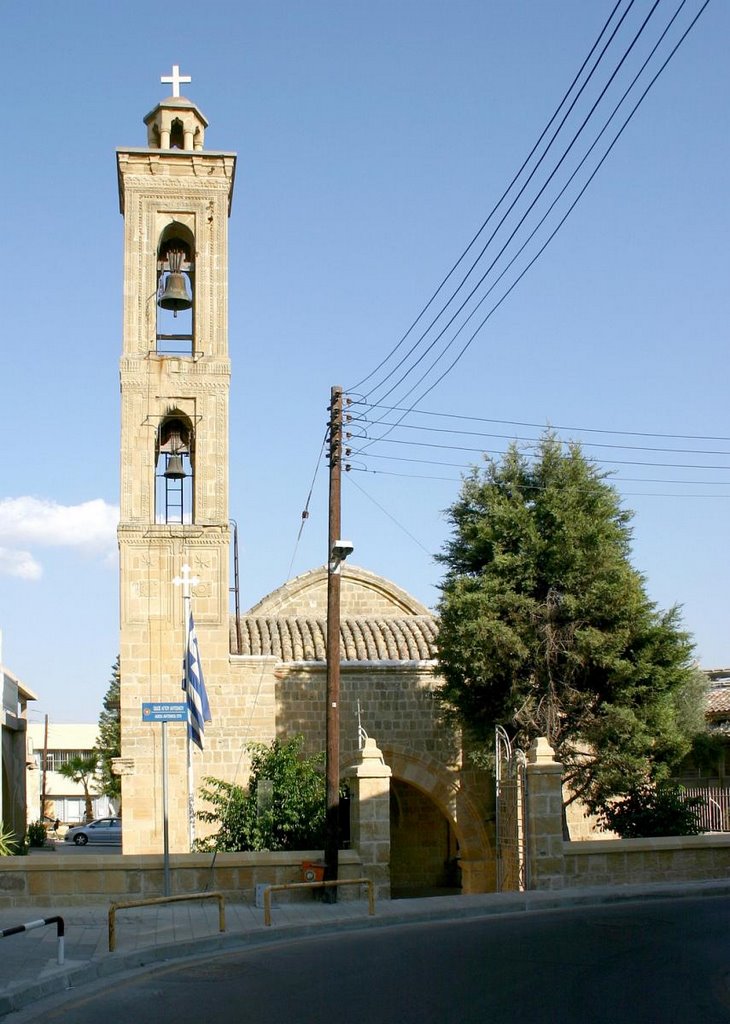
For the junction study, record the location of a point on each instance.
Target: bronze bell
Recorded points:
(175, 295)
(174, 469)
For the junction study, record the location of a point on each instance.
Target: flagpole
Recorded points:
(191, 781)
(186, 580)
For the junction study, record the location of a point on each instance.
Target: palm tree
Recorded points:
(82, 768)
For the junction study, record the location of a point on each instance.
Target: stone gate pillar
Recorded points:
(369, 781)
(544, 817)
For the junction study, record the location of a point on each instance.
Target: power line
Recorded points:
(550, 238)
(550, 177)
(612, 481)
(305, 512)
(511, 437)
(501, 198)
(612, 462)
(543, 426)
(464, 348)
(388, 514)
(561, 222)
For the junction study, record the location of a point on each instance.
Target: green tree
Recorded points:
(109, 740)
(282, 809)
(546, 628)
(82, 768)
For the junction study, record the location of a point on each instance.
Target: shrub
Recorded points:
(8, 842)
(652, 810)
(36, 834)
(282, 809)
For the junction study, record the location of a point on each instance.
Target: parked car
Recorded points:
(103, 830)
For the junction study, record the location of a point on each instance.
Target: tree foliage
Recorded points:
(547, 629)
(282, 809)
(82, 768)
(109, 740)
(652, 810)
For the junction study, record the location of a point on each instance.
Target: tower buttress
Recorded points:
(175, 198)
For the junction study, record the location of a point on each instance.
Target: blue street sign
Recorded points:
(165, 712)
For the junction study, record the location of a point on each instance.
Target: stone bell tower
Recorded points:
(175, 197)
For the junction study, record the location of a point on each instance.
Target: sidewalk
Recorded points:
(147, 935)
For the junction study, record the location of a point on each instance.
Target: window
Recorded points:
(55, 758)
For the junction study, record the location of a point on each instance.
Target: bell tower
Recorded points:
(175, 197)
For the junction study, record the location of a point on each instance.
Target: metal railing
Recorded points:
(713, 814)
(30, 925)
(114, 907)
(318, 885)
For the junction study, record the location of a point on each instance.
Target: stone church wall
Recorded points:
(396, 707)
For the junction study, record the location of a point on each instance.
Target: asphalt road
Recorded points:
(662, 962)
(70, 848)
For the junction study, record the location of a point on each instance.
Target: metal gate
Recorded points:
(511, 817)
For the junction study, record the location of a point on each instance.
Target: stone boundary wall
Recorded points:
(49, 879)
(554, 863)
(668, 859)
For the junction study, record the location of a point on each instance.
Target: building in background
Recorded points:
(13, 760)
(64, 799)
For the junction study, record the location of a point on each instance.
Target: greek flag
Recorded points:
(194, 686)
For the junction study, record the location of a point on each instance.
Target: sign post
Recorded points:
(165, 818)
(164, 713)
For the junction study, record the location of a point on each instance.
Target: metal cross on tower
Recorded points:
(176, 79)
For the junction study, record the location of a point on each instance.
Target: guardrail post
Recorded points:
(318, 885)
(156, 900)
(31, 925)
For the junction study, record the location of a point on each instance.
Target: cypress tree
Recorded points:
(547, 629)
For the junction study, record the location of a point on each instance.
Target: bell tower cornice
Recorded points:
(142, 170)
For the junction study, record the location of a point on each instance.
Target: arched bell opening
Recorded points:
(177, 135)
(174, 470)
(175, 291)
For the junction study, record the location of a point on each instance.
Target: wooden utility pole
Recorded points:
(332, 753)
(44, 769)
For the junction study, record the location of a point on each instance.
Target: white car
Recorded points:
(103, 830)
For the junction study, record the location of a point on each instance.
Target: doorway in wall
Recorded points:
(423, 848)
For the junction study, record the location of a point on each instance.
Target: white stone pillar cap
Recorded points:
(541, 752)
(372, 763)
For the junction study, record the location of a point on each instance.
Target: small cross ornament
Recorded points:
(185, 580)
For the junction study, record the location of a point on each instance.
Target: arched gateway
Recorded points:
(439, 806)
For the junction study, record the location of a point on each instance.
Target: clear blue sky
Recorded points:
(373, 141)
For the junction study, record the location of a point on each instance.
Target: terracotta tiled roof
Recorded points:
(718, 700)
(406, 638)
